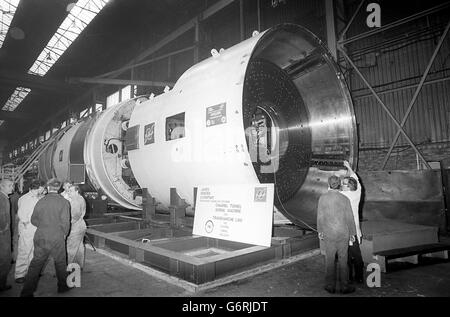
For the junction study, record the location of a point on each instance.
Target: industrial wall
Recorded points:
(393, 63)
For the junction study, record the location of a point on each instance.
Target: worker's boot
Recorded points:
(330, 289)
(64, 289)
(359, 274)
(348, 289)
(5, 288)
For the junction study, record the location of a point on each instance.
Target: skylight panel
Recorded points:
(16, 98)
(7, 10)
(80, 15)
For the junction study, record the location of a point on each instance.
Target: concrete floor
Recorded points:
(106, 276)
(305, 278)
(102, 276)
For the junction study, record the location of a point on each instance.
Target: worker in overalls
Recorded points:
(25, 249)
(75, 244)
(51, 216)
(6, 188)
(351, 188)
(336, 227)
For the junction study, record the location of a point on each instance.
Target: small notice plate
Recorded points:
(216, 114)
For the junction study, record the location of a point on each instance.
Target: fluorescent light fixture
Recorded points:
(7, 10)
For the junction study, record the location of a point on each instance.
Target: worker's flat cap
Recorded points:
(54, 183)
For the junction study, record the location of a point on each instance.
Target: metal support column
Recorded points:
(258, 11)
(148, 206)
(241, 19)
(197, 42)
(331, 30)
(341, 37)
(177, 209)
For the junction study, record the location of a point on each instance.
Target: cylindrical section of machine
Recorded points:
(276, 122)
(61, 158)
(64, 158)
(49, 162)
(272, 109)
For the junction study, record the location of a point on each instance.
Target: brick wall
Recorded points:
(402, 158)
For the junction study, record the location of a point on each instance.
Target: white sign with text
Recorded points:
(241, 213)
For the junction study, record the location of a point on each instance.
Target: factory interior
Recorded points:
(205, 138)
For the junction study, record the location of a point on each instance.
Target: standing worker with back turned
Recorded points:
(336, 227)
(51, 216)
(6, 188)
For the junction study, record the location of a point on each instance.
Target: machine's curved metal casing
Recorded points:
(282, 74)
(273, 108)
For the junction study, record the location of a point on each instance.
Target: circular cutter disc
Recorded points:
(270, 94)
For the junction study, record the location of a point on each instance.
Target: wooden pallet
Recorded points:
(411, 254)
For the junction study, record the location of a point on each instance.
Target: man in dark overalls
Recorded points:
(336, 227)
(14, 200)
(51, 216)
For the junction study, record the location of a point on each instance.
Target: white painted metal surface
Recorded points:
(207, 154)
(287, 73)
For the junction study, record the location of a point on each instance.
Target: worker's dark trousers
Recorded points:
(335, 249)
(43, 248)
(355, 262)
(13, 226)
(5, 256)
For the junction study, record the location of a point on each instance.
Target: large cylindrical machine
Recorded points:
(271, 109)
